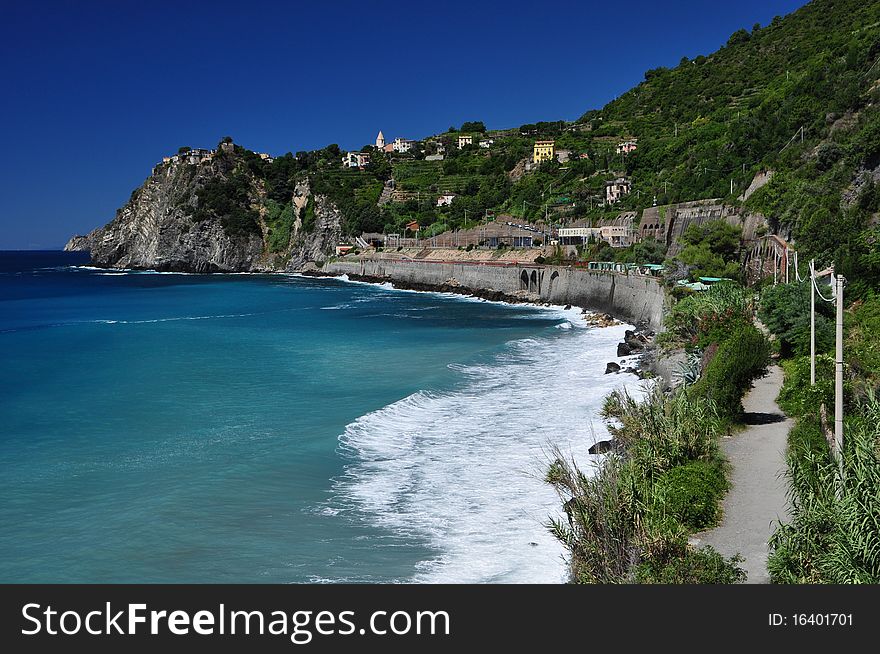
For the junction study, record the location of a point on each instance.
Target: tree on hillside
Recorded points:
(710, 249)
(785, 310)
(473, 126)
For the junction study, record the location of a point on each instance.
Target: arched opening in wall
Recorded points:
(552, 279)
(533, 282)
(524, 281)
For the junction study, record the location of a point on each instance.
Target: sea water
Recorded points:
(276, 428)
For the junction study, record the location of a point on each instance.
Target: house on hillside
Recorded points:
(616, 189)
(543, 151)
(627, 146)
(486, 143)
(402, 145)
(445, 200)
(356, 159)
(465, 139)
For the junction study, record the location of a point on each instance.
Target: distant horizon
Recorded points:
(136, 84)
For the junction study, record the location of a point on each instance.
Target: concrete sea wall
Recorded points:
(631, 298)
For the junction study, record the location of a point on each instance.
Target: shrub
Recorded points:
(797, 397)
(686, 565)
(740, 359)
(690, 493)
(785, 310)
(708, 317)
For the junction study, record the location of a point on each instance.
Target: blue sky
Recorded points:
(94, 93)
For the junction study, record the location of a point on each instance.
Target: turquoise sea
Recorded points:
(275, 428)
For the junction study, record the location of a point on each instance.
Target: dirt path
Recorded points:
(756, 499)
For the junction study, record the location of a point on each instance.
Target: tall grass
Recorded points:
(663, 431)
(834, 532)
(709, 316)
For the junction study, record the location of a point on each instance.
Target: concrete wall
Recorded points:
(632, 298)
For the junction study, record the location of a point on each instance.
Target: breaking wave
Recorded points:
(463, 470)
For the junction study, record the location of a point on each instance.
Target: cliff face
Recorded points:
(211, 216)
(322, 240)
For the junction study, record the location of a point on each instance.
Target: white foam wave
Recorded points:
(463, 471)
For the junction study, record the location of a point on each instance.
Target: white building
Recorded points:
(355, 159)
(486, 143)
(402, 145)
(445, 200)
(616, 189)
(380, 140)
(465, 139)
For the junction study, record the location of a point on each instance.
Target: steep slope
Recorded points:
(798, 97)
(216, 211)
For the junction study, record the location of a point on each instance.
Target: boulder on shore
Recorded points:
(611, 367)
(601, 447)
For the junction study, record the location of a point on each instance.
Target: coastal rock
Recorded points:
(601, 447)
(611, 367)
(81, 243)
(623, 350)
(320, 243)
(635, 340)
(600, 319)
(170, 224)
(157, 228)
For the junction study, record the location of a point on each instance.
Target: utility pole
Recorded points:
(814, 277)
(812, 323)
(840, 282)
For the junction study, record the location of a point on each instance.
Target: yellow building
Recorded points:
(544, 151)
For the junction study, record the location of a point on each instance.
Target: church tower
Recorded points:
(380, 141)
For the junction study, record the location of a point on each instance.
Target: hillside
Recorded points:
(796, 98)
(222, 210)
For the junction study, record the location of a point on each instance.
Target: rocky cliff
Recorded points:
(216, 212)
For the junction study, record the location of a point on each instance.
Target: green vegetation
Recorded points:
(690, 493)
(785, 310)
(711, 249)
(280, 220)
(832, 534)
(230, 201)
(629, 522)
(702, 319)
(740, 359)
